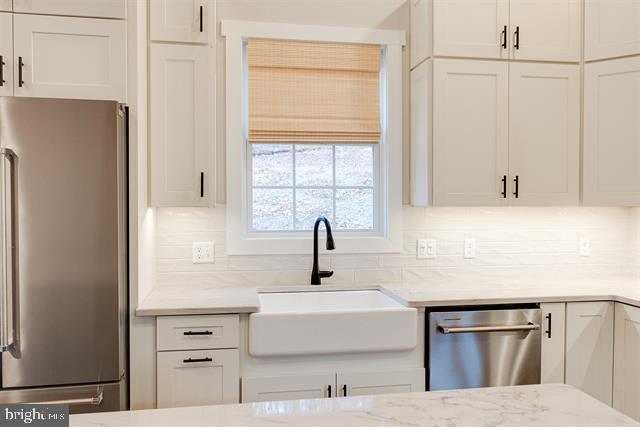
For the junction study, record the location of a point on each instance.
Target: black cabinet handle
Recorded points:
(20, 66)
(344, 390)
(548, 331)
(517, 42)
(198, 333)
(504, 186)
(201, 23)
(2, 64)
(516, 193)
(329, 390)
(504, 37)
(201, 184)
(204, 359)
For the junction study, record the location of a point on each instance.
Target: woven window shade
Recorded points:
(303, 92)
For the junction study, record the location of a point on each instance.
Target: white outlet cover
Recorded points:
(584, 246)
(469, 248)
(202, 253)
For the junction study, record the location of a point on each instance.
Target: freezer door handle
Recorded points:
(8, 287)
(95, 400)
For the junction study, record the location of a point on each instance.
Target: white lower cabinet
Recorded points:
(380, 382)
(626, 373)
(288, 387)
(199, 377)
(553, 348)
(589, 358)
(315, 386)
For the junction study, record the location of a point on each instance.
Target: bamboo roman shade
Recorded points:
(304, 92)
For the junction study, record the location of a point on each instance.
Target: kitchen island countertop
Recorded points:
(548, 405)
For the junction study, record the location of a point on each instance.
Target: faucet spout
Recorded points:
(317, 275)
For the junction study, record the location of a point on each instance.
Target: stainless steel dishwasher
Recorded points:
(486, 348)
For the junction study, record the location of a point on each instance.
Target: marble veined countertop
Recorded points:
(551, 405)
(209, 299)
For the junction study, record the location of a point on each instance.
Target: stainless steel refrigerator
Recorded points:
(63, 253)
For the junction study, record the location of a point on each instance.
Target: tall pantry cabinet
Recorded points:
(504, 132)
(182, 102)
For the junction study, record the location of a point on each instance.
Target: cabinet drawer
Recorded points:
(199, 377)
(197, 332)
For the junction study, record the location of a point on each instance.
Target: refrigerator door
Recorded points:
(68, 237)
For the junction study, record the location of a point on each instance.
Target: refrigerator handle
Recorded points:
(8, 280)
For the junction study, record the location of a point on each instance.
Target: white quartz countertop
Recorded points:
(522, 406)
(202, 299)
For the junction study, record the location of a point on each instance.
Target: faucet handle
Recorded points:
(325, 273)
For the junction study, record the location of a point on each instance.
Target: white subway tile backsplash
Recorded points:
(514, 244)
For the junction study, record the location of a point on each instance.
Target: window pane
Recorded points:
(314, 165)
(354, 165)
(310, 203)
(272, 209)
(272, 165)
(354, 209)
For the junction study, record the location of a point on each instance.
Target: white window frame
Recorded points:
(240, 241)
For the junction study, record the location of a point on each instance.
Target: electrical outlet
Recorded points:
(426, 249)
(469, 248)
(202, 253)
(584, 247)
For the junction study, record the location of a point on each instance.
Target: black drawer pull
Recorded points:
(548, 331)
(204, 359)
(201, 23)
(329, 390)
(201, 184)
(504, 37)
(198, 333)
(517, 42)
(344, 390)
(2, 64)
(517, 186)
(504, 186)
(20, 66)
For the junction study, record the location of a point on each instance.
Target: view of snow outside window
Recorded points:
(292, 184)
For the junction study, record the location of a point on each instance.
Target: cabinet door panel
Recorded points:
(553, 333)
(626, 375)
(421, 148)
(470, 131)
(67, 57)
(549, 30)
(544, 133)
(180, 125)
(590, 348)
(196, 378)
(288, 387)
(381, 382)
(6, 51)
(94, 8)
(611, 169)
(470, 28)
(421, 25)
(180, 20)
(611, 28)
(6, 5)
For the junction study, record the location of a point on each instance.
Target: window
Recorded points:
(313, 128)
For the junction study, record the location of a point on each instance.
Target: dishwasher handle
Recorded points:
(504, 328)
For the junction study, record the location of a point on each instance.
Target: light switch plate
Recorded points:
(469, 248)
(202, 253)
(584, 246)
(426, 249)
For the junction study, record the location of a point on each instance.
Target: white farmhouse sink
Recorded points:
(299, 323)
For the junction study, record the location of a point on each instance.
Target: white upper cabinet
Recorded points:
(470, 132)
(93, 8)
(471, 28)
(611, 28)
(6, 54)
(626, 375)
(181, 20)
(64, 57)
(553, 333)
(421, 126)
(421, 31)
(611, 165)
(5, 5)
(544, 134)
(589, 363)
(181, 116)
(546, 30)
